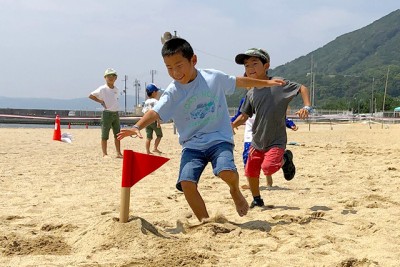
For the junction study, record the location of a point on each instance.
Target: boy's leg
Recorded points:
(118, 147)
(222, 160)
(254, 183)
(105, 131)
(156, 143)
(148, 141)
(246, 149)
(194, 200)
(252, 172)
(149, 137)
(116, 127)
(232, 179)
(159, 135)
(192, 166)
(272, 161)
(104, 147)
(269, 180)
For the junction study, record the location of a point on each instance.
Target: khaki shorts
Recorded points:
(109, 119)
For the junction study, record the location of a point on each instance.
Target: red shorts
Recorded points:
(269, 161)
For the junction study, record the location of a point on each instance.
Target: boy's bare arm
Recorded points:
(94, 98)
(304, 112)
(148, 118)
(248, 83)
(242, 118)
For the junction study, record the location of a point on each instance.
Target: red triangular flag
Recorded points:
(138, 165)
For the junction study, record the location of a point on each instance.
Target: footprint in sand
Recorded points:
(345, 212)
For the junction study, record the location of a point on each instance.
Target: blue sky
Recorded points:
(60, 49)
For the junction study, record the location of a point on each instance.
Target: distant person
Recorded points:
(152, 93)
(196, 102)
(248, 137)
(267, 151)
(107, 96)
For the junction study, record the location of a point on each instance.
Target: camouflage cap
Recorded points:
(252, 52)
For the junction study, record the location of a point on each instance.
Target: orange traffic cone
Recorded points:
(57, 129)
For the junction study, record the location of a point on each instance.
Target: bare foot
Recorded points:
(157, 151)
(120, 156)
(241, 204)
(245, 186)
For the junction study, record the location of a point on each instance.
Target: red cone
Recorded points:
(57, 129)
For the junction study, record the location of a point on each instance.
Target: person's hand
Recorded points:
(233, 128)
(270, 83)
(129, 132)
(294, 128)
(277, 82)
(103, 104)
(302, 113)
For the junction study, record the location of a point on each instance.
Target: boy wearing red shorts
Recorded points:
(267, 151)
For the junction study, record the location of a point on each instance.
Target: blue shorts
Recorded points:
(193, 162)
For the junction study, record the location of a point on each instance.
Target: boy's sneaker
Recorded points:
(257, 202)
(289, 170)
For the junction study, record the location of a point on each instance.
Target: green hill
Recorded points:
(351, 70)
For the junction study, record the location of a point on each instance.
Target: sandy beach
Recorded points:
(59, 204)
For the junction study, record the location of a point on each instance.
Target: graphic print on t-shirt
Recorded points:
(201, 109)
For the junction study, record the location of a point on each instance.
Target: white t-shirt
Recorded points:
(149, 104)
(108, 95)
(248, 129)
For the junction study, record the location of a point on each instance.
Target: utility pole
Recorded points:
(152, 73)
(312, 80)
(136, 84)
(125, 80)
(384, 95)
(372, 97)
(313, 90)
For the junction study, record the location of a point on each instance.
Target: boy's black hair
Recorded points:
(149, 93)
(263, 61)
(177, 45)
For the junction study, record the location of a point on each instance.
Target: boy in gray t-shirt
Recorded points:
(267, 151)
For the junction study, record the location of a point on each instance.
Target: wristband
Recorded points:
(308, 108)
(136, 127)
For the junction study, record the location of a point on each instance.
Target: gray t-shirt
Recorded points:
(269, 105)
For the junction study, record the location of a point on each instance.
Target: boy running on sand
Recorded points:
(267, 151)
(196, 102)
